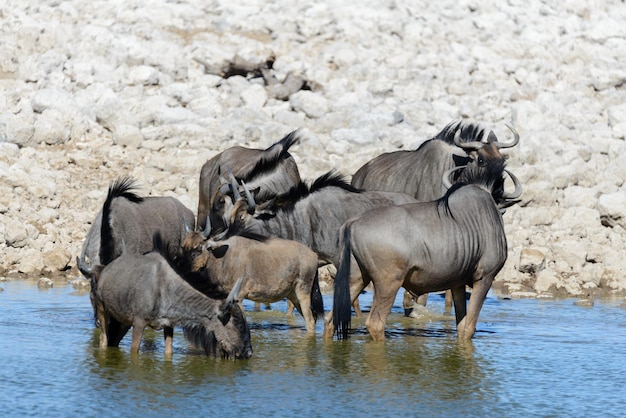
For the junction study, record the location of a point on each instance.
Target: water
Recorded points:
(528, 358)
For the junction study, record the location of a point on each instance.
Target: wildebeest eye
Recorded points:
(481, 161)
(195, 254)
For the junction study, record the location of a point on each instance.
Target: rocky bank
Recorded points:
(92, 90)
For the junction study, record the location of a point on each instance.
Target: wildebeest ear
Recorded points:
(220, 251)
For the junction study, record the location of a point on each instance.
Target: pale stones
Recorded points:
(127, 135)
(532, 260)
(143, 75)
(56, 260)
(16, 234)
(612, 208)
(314, 105)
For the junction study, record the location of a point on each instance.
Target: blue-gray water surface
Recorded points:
(528, 358)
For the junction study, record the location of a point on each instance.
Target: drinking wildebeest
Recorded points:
(273, 170)
(449, 243)
(419, 173)
(313, 214)
(131, 223)
(273, 269)
(142, 290)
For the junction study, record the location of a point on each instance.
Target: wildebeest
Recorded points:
(273, 269)
(313, 214)
(449, 243)
(419, 173)
(273, 170)
(142, 290)
(131, 222)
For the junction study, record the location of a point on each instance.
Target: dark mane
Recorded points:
(332, 179)
(302, 190)
(236, 229)
(272, 155)
(121, 187)
(489, 177)
(469, 132)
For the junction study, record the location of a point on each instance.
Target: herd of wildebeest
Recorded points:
(427, 220)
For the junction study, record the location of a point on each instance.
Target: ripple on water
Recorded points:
(533, 357)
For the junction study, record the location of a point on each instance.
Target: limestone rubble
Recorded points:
(92, 90)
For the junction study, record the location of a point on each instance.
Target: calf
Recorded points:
(273, 269)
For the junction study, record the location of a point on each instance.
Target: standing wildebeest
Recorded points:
(131, 222)
(273, 170)
(419, 173)
(142, 290)
(273, 269)
(313, 214)
(449, 243)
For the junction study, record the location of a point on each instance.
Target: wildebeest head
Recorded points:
(229, 336)
(480, 145)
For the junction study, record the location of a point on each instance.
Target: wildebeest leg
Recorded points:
(384, 296)
(168, 334)
(290, 308)
(356, 305)
(257, 306)
(448, 304)
(460, 308)
(138, 327)
(467, 327)
(102, 317)
(302, 302)
(115, 332)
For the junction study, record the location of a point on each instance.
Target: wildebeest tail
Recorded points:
(342, 310)
(317, 303)
(273, 154)
(121, 187)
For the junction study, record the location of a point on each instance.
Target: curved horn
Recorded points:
(207, 228)
(234, 185)
(446, 176)
(233, 296)
(467, 146)
(508, 144)
(518, 187)
(249, 198)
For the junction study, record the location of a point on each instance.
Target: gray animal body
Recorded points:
(272, 170)
(272, 268)
(313, 215)
(455, 241)
(132, 222)
(143, 290)
(419, 173)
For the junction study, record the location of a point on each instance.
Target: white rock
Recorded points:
(314, 105)
(612, 208)
(144, 75)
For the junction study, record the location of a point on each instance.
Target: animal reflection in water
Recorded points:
(449, 243)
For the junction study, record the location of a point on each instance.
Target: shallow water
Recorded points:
(528, 358)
